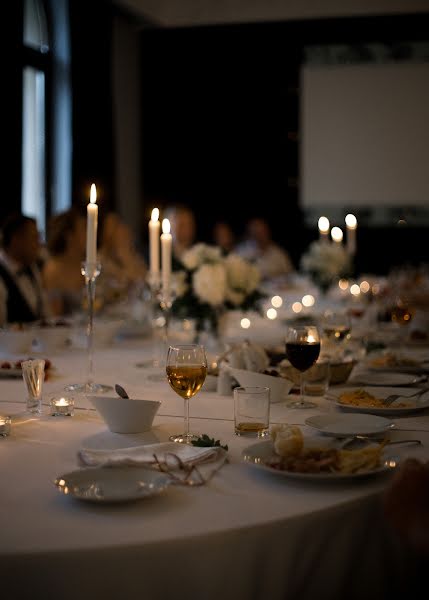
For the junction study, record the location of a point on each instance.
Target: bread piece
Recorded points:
(287, 439)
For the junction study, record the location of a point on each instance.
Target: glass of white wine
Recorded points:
(186, 372)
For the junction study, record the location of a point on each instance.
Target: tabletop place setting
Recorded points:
(252, 423)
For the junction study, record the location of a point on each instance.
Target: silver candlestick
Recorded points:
(90, 270)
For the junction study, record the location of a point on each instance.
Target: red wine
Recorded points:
(302, 355)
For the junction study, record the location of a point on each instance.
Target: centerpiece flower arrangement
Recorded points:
(209, 283)
(325, 262)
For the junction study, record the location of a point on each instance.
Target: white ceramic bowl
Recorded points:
(16, 341)
(126, 415)
(279, 386)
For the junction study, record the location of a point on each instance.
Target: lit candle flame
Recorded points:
(323, 224)
(155, 214)
(337, 234)
(165, 226)
(93, 194)
(351, 221)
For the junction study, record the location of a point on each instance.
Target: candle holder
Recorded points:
(62, 406)
(5, 422)
(90, 270)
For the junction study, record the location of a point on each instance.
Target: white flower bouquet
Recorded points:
(326, 261)
(211, 283)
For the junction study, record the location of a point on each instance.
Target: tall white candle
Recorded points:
(337, 234)
(154, 230)
(166, 249)
(323, 225)
(351, 224)
(91, 226)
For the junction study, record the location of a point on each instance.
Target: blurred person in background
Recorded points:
(260, 249)
(183, 230)
(224, 237)
(62, 276)
(22, 298)
(123, 267)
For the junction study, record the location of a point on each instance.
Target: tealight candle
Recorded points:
(4, 426)
(62, 407)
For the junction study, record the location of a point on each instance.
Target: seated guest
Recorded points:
(223, 237)
(259, 248)
(62, 274)
(122, 265)
(22, 298)
(183, 229)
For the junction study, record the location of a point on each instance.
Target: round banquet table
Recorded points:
(247, 534)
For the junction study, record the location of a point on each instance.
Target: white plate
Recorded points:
(385, 378)
(121, 484)
(345, 425)
(415, 404)
(9, 373)
(257, 454)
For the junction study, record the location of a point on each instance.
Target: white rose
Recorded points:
(209, 283)
(241, 275)
(200, 254)
(178, 283)
(236, 298)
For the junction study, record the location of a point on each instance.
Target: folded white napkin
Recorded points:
(145, 455)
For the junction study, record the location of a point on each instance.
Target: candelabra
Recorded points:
(90, 270)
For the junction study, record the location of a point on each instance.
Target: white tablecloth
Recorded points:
(245, 535)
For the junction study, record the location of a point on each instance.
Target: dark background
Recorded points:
(221, 126)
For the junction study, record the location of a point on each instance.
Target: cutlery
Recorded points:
(366, 438)
(390, 399)
(120, 391)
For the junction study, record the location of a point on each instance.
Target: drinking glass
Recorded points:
(186, 372)
(336, 325)
(302, 351)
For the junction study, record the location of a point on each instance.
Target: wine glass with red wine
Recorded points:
(302, 351)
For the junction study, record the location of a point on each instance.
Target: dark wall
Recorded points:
(93, 140)
(221, 124)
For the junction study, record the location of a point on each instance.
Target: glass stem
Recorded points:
(301, 385)
(186, 411)
(90, 288)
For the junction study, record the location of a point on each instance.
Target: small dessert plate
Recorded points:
(107, 485)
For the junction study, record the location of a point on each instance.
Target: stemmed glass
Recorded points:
(302, 351)
(186, 372)
(336, 328)
(336, 325)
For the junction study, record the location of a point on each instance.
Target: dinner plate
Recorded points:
(10, 373)
(413, 404)
(107, 485)
(257, 455)
(345, 425)
(385, 378)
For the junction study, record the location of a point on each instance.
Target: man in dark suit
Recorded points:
(22, 299)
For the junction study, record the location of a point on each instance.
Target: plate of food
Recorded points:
(10, 369)
(372, 400)
(350, 424)
(385, 378)
(395, 361)
(289, 454)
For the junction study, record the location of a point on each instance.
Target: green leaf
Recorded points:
(205, 441)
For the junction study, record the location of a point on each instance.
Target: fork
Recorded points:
(390, 399)
(366, 438)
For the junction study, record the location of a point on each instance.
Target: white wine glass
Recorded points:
(186, 369)
(336, 327)
(302, 351)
